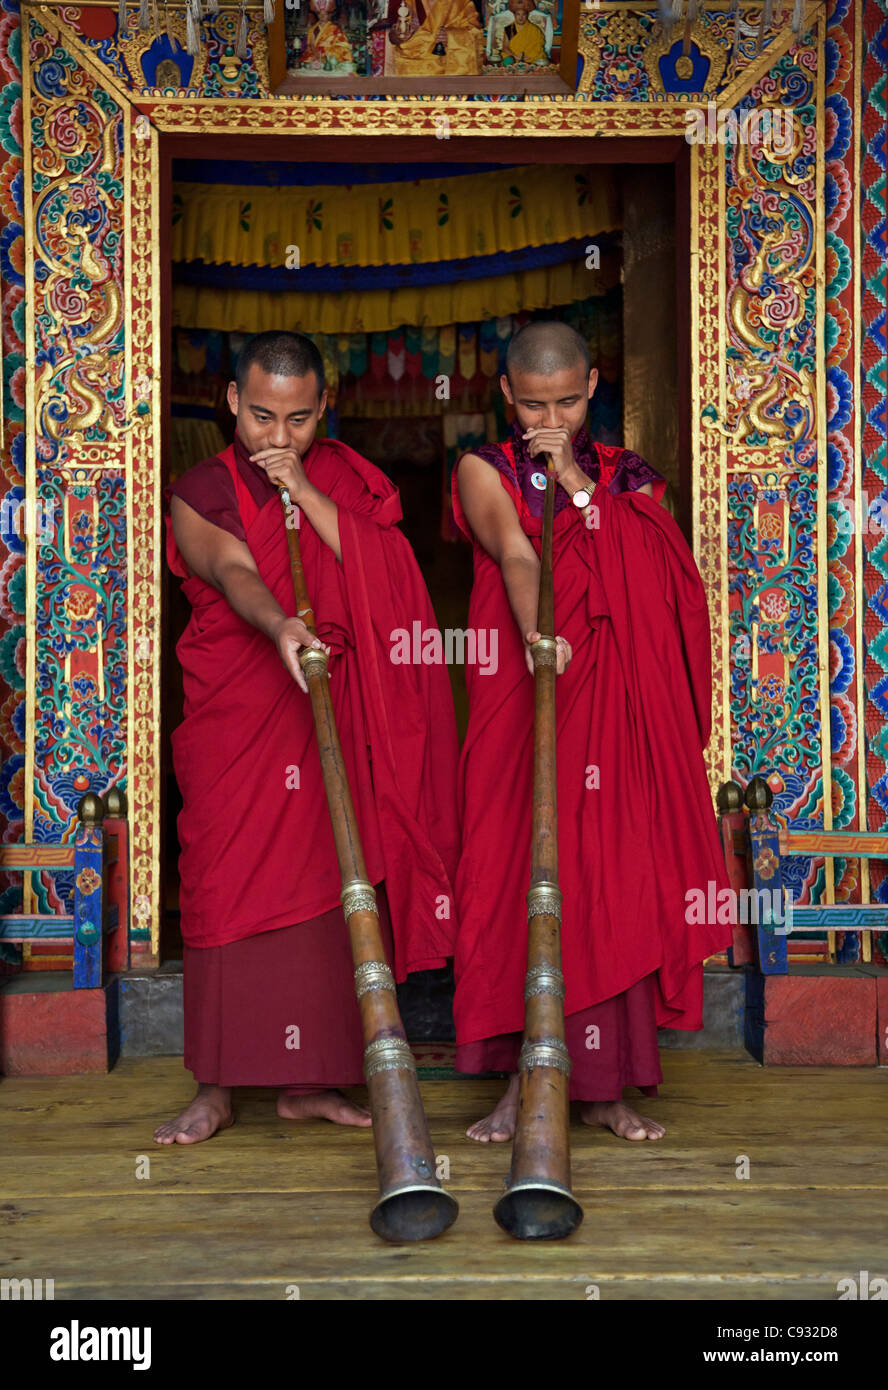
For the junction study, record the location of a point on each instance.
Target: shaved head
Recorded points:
(280, 353)
(546, 347)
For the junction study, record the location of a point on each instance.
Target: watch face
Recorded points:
(581, 498)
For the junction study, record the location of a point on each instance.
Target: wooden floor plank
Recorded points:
(472, 1289)
(268, 1160)
(799, 1130)
(269, 1204)
(43, 1179)
(288, 1237)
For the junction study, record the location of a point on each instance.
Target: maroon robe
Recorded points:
(633, 715)
(267, 966)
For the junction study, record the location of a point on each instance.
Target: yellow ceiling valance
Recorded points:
(376, 311)
(397, 223)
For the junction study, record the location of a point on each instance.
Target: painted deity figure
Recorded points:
(441, 37)
(326, 47)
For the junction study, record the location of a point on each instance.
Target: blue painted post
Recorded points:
(88, 894)
(767, 877)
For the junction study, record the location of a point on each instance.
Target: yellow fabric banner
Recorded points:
(392, 223)
(466, 301)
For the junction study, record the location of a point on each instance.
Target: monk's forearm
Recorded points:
(522, 580)
(323, 515)
(251, 598)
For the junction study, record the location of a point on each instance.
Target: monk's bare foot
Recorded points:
(500, 1124)
(621, 1118)
(323, 1105)
(208, 1112)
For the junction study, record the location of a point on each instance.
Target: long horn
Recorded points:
(412, 1203)
(538, 1203)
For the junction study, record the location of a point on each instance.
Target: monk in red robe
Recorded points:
(268, 975)
(636, 827)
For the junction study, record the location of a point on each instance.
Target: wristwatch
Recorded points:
(581, 498)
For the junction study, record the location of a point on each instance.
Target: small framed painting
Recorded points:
(522, 35)
(326, 38)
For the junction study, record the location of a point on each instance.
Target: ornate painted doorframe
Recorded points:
(768, 437)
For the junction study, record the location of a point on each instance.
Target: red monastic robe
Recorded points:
(258, 854)
(636, 827)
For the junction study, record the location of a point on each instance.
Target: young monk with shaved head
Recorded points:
(268, 974)
(636, 829)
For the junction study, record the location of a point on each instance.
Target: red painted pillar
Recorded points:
(117, 954)
(733, 829)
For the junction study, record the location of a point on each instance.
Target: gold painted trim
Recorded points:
(709, 491)
(412, 116)
(146, 551)
(158, 539)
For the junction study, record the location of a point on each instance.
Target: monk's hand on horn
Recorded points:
(563, 652)
(557, 443)
(290, 637)
(284, 469)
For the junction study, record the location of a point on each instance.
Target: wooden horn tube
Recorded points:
(538, 1203)
(412, 1203)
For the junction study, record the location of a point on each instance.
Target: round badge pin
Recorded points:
(539, 481)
